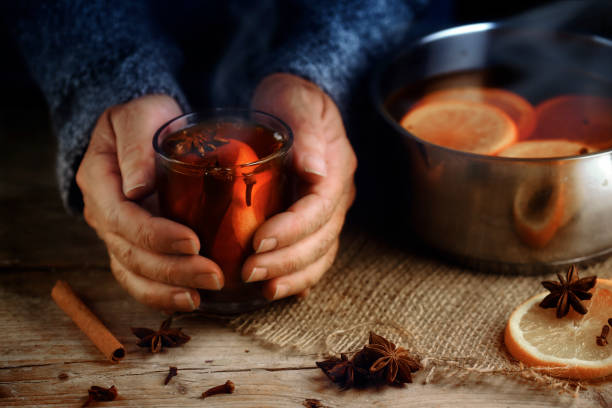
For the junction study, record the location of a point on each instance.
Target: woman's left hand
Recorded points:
(296, 247)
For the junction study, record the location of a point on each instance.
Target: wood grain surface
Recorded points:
(40, 343)
(46, 361)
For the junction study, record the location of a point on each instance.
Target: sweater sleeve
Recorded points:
(331, 43)
(87, 56)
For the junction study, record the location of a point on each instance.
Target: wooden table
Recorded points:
(40, 243)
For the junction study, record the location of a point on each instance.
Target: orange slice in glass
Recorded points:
(514, 105)
(565, 347)
(243, 215)
(468, 126)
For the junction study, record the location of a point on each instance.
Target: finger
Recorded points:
(304, 217)
(155, 294)
(299, 282)
(134, 125)
(309, 112)
(313, 210)
(303, 294)
(179, 270)
(295, 257)
(309, 145)
(127, 219)
(151, 204)
(107, 209)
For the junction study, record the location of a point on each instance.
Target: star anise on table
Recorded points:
(379, 361)
(344, 372)
(568, 292)
(164, 337)
(396, 364)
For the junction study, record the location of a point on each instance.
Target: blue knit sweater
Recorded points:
(88, 55)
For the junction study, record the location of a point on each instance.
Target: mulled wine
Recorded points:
(223, 173)
(501, 111)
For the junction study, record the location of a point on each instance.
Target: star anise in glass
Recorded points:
(96, 393)
(569, 291)
(193, 140)
(395, 364)
(343, 371)
(164, 337)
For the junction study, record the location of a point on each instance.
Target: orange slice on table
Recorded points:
(582, 118)
(514, 105)
(545, 148)
(462, 125)
(565, 347)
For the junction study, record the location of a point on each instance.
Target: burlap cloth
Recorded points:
(452, 317)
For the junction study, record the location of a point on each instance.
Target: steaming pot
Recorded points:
(471, 206)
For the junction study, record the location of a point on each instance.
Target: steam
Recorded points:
(552, 17)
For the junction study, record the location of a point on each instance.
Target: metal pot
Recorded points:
(501, 213)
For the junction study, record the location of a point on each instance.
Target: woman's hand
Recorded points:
(156, 260)
(295, 248)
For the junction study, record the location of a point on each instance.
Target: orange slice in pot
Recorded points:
(538, 210)
(565, 347)
(462, 125)
(582, 118)
(514, 105)
(545, 149)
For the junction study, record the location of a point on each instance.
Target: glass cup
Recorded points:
(222, 173)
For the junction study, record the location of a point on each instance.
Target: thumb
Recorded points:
(134, 124)
(303, 106)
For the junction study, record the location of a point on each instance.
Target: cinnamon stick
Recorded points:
(89, 323)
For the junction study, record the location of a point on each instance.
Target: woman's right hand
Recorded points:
(156, 260)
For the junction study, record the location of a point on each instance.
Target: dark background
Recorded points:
(29, 148)
(23, 107)
(20, 94)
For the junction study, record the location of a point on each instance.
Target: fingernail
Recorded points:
(267, 244)
(184, 301)
(315, 165)
(282, 290)
(128, 187)
(257, 274)
(185, 246)
(207, 281)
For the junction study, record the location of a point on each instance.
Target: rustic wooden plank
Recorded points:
(27, 308)
(35, 230)
(143, 386)
(40, 343)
